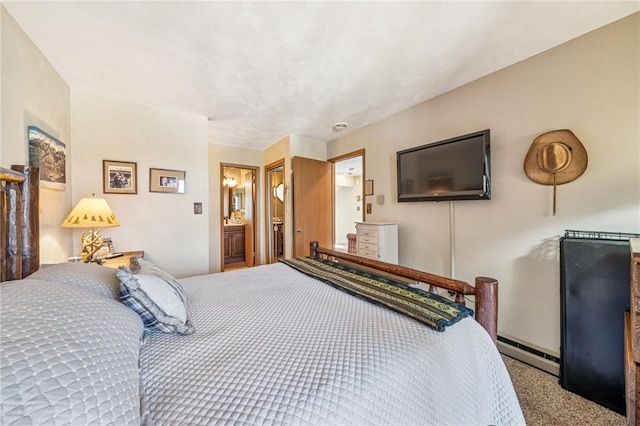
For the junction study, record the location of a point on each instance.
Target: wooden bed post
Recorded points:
(11, 231)
(30, 250)
(4, 233)
(314, 248)
(487, 305)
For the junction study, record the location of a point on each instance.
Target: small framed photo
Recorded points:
(168, 181)
(108, 243)
(368, 187)
(119, 177)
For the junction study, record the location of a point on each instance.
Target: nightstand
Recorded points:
(123, 260)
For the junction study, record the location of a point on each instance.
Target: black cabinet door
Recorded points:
(594, 294)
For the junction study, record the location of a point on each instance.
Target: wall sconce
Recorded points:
(91, 213)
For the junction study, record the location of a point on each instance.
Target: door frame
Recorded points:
(352, 154)
(256, 211)
(267, 207)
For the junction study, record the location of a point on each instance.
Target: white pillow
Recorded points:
(154, 295)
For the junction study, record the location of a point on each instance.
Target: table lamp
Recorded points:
(91, 213)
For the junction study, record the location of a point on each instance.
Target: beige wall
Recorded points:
(230, 155)
(589, 85)
(307, 147)
(33, 94)
(163, 225)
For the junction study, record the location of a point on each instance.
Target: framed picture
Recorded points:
(119, 177)
(108, 242)
(49, 154)
(168, 181)
(368, 187)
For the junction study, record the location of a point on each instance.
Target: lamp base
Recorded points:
(91, 243)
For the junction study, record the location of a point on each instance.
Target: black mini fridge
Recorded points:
(594, 295)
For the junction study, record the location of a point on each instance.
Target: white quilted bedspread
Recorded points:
(68, 356)
(284, 348)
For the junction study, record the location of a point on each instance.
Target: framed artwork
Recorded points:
(368, 187)
(119, 177)
(108, 242)
(49, 154)
(168, 181)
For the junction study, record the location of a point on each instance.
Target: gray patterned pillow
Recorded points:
(99, 279)
(154, 295)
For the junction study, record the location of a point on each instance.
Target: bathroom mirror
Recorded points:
(237, 199)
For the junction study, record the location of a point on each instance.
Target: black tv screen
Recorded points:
(454, 169)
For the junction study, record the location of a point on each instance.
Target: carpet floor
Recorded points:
(545, 403)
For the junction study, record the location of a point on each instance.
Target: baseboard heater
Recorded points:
(534, 357)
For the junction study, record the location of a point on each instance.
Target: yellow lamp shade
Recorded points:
(91, 213)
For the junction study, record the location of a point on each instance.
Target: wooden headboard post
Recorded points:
(11, 235)
(19, 224)
(314, 249)
(30, 219)
(487, 305)
(485, 290)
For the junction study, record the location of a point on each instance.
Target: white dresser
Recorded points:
(378, 241)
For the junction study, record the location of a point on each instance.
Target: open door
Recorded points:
(312, 204)
(249, 231)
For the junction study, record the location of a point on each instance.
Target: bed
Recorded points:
(324, 339)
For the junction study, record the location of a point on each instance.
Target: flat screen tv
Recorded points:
(454, 169)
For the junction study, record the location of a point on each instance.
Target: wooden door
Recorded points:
(249, 183)
(312, 204)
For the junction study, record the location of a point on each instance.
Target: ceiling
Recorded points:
(263, 70)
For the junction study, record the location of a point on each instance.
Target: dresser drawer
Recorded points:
(368, 247)
(372, 254)
(367, 232)
(367, 239)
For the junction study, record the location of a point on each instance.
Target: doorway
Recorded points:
(276, 196)
(239, 201)
(349, 196)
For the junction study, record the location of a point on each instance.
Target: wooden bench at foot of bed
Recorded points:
(485, 290)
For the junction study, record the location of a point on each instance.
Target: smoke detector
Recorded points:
(340, 125)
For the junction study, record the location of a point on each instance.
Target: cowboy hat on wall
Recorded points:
(555, 158)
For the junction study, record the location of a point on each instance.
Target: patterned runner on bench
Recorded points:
(430, 309)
